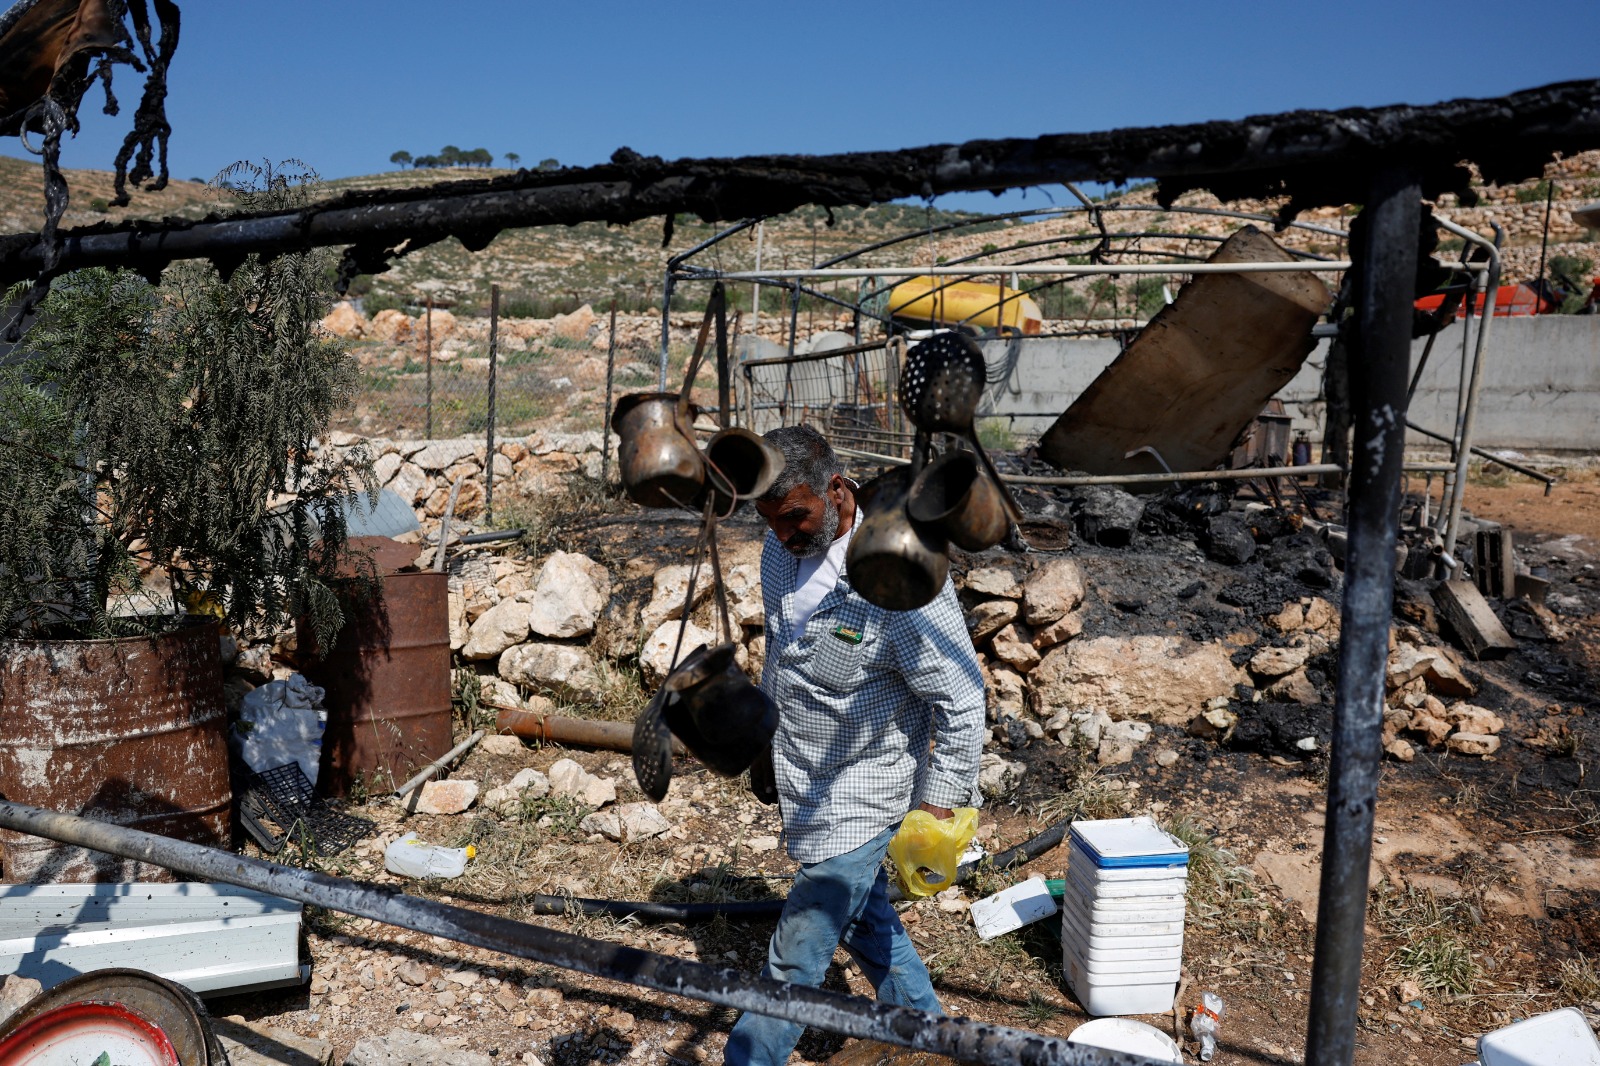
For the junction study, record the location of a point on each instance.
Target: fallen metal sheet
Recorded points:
(55, 932)
(1198, 373)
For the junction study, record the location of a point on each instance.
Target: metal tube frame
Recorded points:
(1463, 447)
(1378, 372)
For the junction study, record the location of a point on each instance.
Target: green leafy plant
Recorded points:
(158, 447)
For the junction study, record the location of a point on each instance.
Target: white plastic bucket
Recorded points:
(1133, 1038)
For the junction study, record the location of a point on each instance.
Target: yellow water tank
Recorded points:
(969, 303)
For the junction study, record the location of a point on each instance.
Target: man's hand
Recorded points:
(937, 812)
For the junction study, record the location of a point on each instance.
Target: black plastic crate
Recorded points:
(277, 804)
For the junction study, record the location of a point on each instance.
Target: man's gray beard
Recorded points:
(813, 546)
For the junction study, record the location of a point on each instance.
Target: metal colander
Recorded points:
(941, 383)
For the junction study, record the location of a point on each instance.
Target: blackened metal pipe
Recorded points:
(959, 1038)
(1378, 364)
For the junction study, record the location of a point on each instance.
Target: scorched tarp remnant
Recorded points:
(1313, 157)
(1198, 373)
(51, 51)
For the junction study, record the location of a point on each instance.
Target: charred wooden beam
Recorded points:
(1313, 157)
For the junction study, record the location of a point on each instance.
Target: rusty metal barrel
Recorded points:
(387, 678)
(130, 730)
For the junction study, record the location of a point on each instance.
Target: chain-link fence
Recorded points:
(439, 379)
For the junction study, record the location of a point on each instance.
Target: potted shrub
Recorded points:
(159, 476)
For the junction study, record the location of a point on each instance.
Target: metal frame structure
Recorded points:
(684, 269)
(1387, 159)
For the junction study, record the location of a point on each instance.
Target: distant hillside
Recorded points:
(546, 270)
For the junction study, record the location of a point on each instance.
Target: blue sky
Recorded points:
(341, 85)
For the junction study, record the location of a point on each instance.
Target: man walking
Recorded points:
(861, 692)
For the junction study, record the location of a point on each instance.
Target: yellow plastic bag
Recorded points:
(926, 850)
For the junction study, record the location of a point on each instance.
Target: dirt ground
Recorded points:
(1486, 869)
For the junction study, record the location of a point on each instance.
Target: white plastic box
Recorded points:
(1559, 1038)
(1122, 916)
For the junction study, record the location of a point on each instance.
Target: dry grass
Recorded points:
(1432, 941)
(1578, 980)
(1222, 891)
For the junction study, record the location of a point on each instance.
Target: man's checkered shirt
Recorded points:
(859, 695)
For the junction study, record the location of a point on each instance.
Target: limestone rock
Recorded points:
(410, 482)
(1294, 687)
(1311, 613)
(990, 617)
(1410, 662)
(568, 596)
(524, 783)
(442, 325)
(439, 455)
(391, 324)
(501, 744)
(1228, 539)
(1473, 719)
(16, 993)
(1060, 631)
(1276, 662)
(567, 778)
(1010, 690)
(997, 776)
(670, 585)
(627, 823)
(1473, 744)
(1108, 516)
(655, 658)
(574, 326)
(762, 844)
(1213, 723)
(1118, 740)
(996, 582)
(745, 604)
(500, 627)
(1013, 646)
(1433, 729)
(1164, 679)
(562, 670)
(401, 1047)
(447, 797)
(1051, 591)
(386, 466)
(1400, 750)
(456, 603)
(345, 321)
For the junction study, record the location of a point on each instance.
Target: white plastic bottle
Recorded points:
(412, 857)
(1205, 1023)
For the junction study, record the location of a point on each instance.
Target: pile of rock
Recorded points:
(1419, 678)
(421, 472)
(1045, 678)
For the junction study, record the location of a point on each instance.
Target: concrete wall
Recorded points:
(1541, 383)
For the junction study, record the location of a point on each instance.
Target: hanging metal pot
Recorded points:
(955, 495)
(658, 460)
(894, 562)
(723, 719)
(746, 461)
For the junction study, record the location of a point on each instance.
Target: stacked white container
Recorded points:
(1122, 915)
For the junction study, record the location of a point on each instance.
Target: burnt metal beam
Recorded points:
(1384, 246)
(1313, 157)
(959, 1038)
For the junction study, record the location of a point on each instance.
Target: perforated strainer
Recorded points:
(941, 383)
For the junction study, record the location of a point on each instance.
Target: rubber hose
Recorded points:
(766, 909)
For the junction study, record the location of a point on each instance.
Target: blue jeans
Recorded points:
(845, 900)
